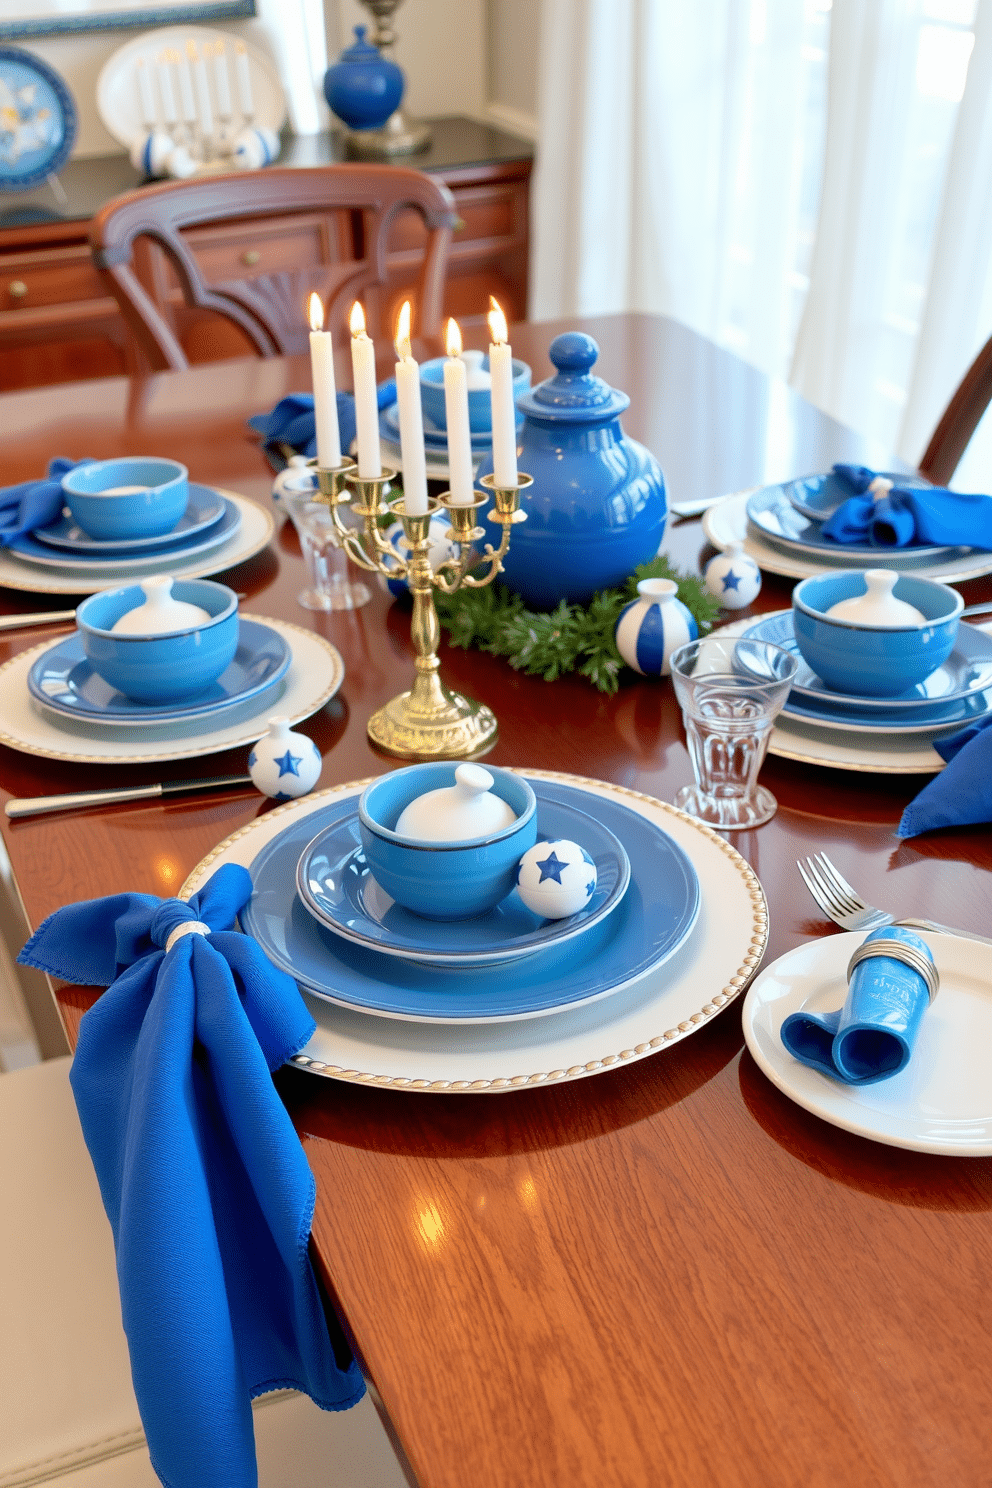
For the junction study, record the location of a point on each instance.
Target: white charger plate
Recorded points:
(941, 1102)
(726, 522)
(314, 676)
(254, 533)
(664, 1006)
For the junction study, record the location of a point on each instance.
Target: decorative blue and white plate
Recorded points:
(63, 680)
(334, 882)
(204, 510)
(954, 693)
(435, 438)
(109, 561)
(653, 920)
(37, 120)
(775, 514)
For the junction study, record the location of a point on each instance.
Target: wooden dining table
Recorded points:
(664, 1274)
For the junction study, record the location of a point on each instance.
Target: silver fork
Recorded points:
(846, 908)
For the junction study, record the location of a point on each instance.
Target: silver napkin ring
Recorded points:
(899, 951)
(188, 927)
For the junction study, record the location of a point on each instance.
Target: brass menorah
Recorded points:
(430, 721)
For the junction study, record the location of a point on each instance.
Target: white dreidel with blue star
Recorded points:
(556, 879)
(733, 578)
(284, 765)
(654, 626)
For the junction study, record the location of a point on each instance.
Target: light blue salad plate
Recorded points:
(204, 509)
(956, 693)
(63, 680)
(335, 883)
(773, 512)
(110, 560)
(435, 438)
(649, 925)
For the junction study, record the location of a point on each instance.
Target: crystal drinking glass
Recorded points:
(328, 584)
(730, 691)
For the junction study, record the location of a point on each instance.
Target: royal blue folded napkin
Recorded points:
(291, 422)
(960, 795)
(33, 503)
(931, 515)
(873, 1035)
(207, 1188)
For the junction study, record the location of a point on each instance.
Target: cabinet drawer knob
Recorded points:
(17, 288)
(250, 257)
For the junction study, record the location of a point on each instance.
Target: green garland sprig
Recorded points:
(570, 637)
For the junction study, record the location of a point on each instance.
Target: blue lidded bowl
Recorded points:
(480, 412)
(169, 667)
(443, 880)
(866, 660)
(103, 510)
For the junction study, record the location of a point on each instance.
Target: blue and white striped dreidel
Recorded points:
(151, 153)
(556, 879)
(255, 148)
(733, 578)
(284, 765)
(650, 629)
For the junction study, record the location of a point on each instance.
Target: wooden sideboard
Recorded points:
(58, 323)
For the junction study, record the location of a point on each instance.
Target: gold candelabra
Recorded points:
(428, 722)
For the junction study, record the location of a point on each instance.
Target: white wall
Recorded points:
(513, 38)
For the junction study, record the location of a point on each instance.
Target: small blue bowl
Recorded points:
(480, 414)
(867, 660)
(91, 494)
(165, 668)
(443, 880)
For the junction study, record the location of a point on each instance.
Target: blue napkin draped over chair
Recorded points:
(904, 515)
(291, 423)
(961, 795)
(203, 1177)
(34, 503)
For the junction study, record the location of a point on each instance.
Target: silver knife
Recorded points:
(36, 805)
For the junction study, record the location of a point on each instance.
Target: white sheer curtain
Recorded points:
(800, 181)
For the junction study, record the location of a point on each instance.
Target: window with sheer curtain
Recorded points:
(807, 182)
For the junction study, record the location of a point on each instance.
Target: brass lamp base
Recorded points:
(398, 136)
(457, 728)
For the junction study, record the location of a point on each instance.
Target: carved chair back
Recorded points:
(167, 253)
(959, 420)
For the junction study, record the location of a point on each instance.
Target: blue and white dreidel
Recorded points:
(650, 629)
(441, 549)
(284, 765)
(733, 578)
(255, 147)
(556, 879)
(299, 478)
(151, 153)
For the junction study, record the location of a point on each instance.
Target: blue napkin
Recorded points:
(960, 795)
(207, 1188)
(872, 1036)
(905, 515)
(34, 503)
(291, 422)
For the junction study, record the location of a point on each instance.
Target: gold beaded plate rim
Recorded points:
(722, 953)
(315, 674)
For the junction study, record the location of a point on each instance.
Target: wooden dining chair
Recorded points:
(959, 420)
(175, 255)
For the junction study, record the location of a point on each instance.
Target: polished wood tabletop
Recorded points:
(667, 1274)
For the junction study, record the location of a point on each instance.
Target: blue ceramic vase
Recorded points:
(363, 87)
(597, 507)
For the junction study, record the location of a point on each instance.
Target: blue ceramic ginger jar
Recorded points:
(597, 507)
(653, 627)
(363, 87)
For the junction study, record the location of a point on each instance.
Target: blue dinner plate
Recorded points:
(650, 924)
(108, 560)
(435, 438)
(955, 693)
(204, 509)
(774, 512)
(334, 882)
(63, 679)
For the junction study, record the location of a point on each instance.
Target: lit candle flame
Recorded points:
(402, 342)
(453, 339)
(356, 320)
(315, 310)
(497, 323)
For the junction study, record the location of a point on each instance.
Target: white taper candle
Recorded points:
(456, 417)
(366, 397)
(504, 411)
(411, 421)
(325, 393)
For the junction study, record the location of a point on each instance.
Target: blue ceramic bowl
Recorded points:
(150, 512)
(443, 880)
(872, 661)
(480, 415)
(165, 668)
